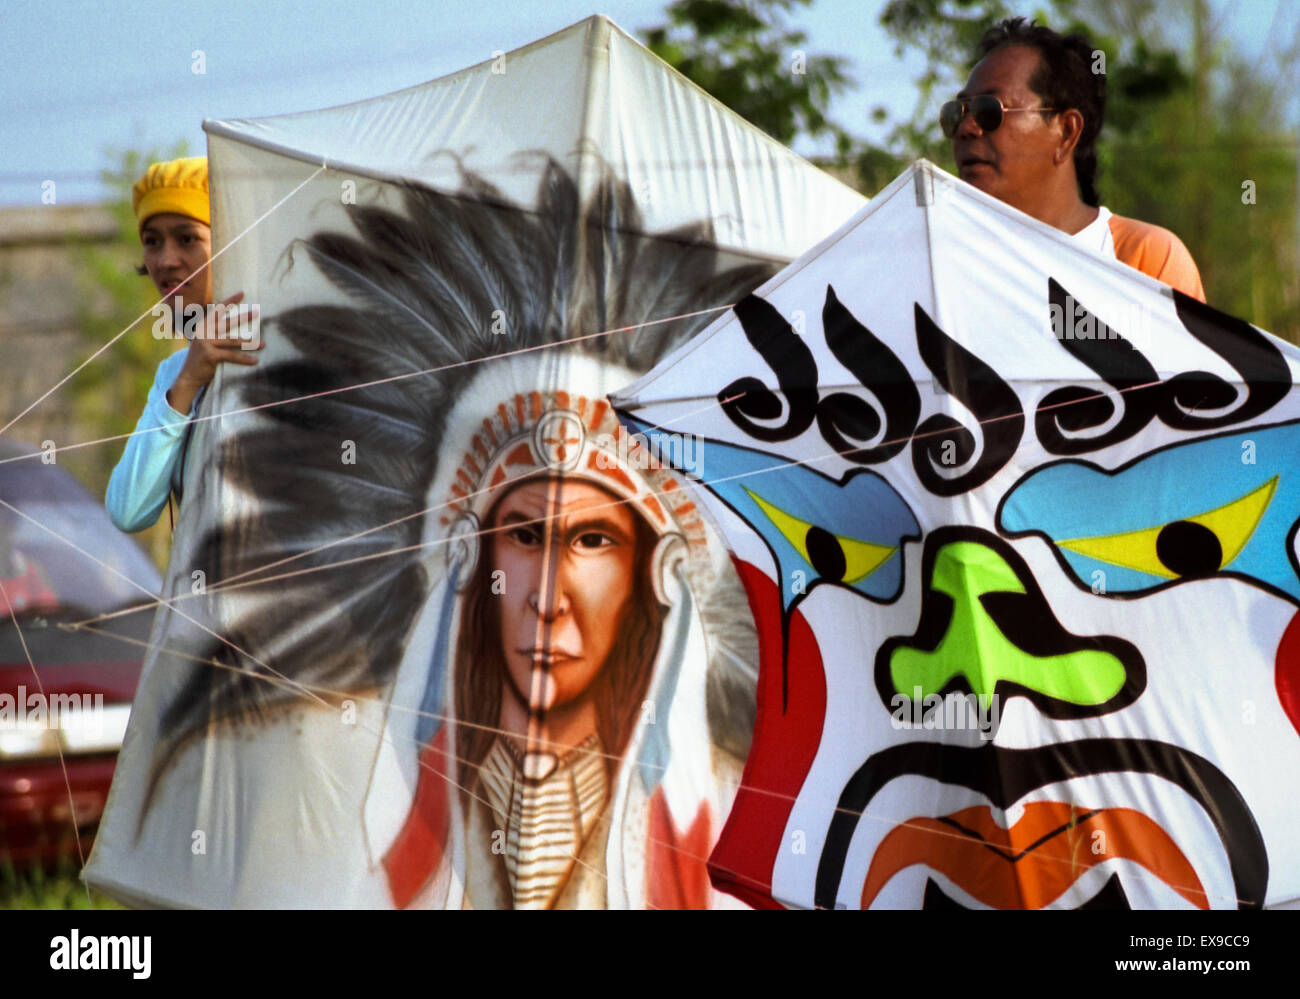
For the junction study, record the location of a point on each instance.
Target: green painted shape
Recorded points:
(975, 647)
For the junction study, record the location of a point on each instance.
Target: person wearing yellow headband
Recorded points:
(171, 208)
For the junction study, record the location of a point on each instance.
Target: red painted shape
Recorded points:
(416, 853)
(1286, 675)
(785, 743)
(677, 874)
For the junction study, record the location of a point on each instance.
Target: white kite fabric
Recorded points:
(438, 633)
(1018, 525)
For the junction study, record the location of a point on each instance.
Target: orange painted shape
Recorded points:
(619, 476)
(520, 454)
(1005, 869)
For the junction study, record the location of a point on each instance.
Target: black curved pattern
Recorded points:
(878, 369)
(943, 442)
(1066, 414)
(748, 400)
(1004, 776)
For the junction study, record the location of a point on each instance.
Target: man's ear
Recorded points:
(1071, 130)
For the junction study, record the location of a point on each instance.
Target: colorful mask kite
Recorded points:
(1018, 526)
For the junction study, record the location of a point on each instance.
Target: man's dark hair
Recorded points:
(1064, 80)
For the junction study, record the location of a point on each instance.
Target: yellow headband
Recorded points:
(179, 186)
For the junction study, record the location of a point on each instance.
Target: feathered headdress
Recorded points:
(428, 287)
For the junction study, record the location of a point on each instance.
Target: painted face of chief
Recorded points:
(567, 551)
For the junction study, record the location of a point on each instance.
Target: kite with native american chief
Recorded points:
(437, 632)
(556, 653)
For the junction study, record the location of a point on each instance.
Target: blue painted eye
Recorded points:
(1215, 506)
(835, 557)
(1197, 545)
(848, 533)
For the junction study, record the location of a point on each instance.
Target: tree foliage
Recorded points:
(743, 53)
(1196, 138)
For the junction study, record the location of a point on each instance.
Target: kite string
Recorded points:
(63, 763)
(903, 440)
(226, 583)
(139, 586)
(107, 345)
(44, 455)
(293, 683)
(230, 583)
(494, 530)
(620, 759)
(386, 736)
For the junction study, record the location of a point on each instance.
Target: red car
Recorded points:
(60, 688)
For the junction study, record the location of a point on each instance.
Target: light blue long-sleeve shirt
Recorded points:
(150, 467)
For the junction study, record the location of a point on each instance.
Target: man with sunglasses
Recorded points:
(1024, 129)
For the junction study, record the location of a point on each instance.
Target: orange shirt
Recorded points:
(1157, 252)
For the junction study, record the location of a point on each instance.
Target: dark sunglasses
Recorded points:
(986, 109)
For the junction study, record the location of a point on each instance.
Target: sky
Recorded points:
(78, 79)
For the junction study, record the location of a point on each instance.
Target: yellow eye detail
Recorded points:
(1229, 527)
(835, 557)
